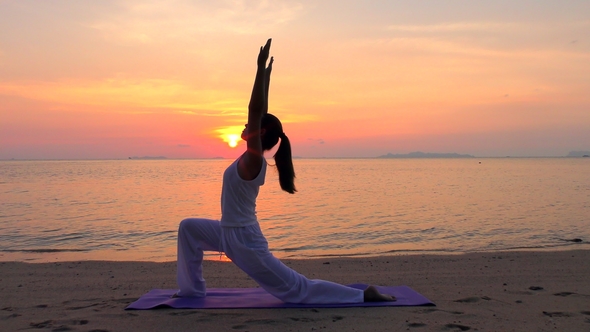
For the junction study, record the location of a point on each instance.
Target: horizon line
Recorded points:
(294, 157)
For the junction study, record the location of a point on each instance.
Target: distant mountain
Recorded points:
(148, 157)
(419, 154)
(578, 154)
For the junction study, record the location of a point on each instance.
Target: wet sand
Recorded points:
(502, 291)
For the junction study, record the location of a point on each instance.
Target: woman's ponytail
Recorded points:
(284, 163)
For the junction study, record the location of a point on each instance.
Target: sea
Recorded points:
(64, 210)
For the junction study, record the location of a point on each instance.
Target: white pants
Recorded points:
(248, 249)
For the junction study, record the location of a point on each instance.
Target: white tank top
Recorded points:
(238, 197)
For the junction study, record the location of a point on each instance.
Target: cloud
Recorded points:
(157, 20)
(128, 92)
(511, 28)
(457, 27)
(316, 140)
(183, 146)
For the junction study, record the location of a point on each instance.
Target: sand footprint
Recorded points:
(42, 325)
(13, 315)
(416, 325)
(468, 300)
(248, 323)
(83, 306)
(557, 314)
(564, 294)
(183, 313)
(303, 319)
(456, 327)
(430, 310)
(58, 326)
(50, 323)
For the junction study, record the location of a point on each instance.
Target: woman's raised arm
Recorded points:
(267, 73)
(251, 161)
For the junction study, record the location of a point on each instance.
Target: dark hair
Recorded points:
(273, 130)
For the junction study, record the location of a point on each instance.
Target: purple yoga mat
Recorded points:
(227, 298)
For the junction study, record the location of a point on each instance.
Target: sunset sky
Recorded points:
(113, 79)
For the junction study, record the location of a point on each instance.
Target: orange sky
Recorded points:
(113, 79)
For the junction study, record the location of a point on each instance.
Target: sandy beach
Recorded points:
(501, 291)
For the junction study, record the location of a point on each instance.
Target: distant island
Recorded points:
(148, 157)
(419, 154)
(585, 154)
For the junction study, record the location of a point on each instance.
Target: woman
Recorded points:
(238, 233)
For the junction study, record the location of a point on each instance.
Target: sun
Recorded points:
(232, 140)
(230, 135)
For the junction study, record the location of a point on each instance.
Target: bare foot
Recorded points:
(373, 295)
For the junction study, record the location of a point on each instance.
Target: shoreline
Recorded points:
(498, 291)
(67, 255)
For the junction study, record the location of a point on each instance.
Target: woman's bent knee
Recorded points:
(184, 223)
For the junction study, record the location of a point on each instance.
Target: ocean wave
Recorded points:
(44, 250)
